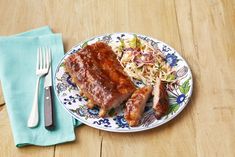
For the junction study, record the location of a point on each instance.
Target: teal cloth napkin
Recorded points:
(17, 74)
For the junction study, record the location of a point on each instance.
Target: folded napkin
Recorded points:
(17, 74)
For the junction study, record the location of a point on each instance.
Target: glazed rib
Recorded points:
(100, 77)
(136, 104)
(160, 99)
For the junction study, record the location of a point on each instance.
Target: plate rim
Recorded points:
(133, 129)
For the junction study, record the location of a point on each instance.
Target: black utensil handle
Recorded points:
(48, 109)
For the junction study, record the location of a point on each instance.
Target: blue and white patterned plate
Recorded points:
(75, 104)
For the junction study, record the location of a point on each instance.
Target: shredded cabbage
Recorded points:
(142, 62)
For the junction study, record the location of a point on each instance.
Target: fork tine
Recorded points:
(49, 56)
(40, 59)
(37, 65)
(45, 58)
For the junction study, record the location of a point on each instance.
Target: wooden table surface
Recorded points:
(202, 30)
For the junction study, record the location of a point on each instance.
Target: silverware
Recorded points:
(48, 101)
(42, 67)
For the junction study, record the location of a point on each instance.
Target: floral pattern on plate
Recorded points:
(179, 92)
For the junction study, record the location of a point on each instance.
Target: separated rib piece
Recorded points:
(160, 99)
(136, 104)
(100, 77)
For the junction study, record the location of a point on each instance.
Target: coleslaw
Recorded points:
(142, 62)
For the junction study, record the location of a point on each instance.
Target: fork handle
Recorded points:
(48, 109)
(33, 117)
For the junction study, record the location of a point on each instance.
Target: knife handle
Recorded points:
(48, 109)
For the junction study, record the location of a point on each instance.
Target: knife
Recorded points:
(48, 100)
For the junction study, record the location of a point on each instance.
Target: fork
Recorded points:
(42, 67)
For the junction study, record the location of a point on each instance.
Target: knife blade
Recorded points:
(48, 99)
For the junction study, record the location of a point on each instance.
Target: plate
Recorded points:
(75, 104)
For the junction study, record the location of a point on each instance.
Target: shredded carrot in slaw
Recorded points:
(142, 62)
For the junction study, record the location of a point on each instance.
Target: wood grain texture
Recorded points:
(1, 96)
(7, 146)
(202, 30)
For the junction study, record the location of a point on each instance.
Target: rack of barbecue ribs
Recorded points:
(99, 75)
(136, 104)
(160, 99)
